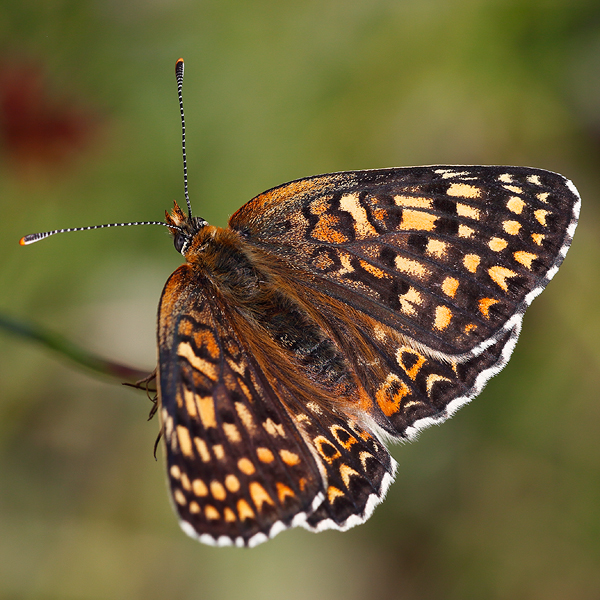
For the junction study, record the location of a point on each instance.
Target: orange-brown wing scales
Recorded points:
(444, 254)
(402, 385)
(337, 309)
(238, 468)
(358, 469)
(418, 389)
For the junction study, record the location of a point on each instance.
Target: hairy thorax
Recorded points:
(268, 312)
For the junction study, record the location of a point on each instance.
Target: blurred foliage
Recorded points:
(77, 355)
(503, 501)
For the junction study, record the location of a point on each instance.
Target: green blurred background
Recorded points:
(501, 502)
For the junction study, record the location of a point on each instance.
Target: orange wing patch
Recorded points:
(499, 276)
(417, 220)
(390, 394)
(464, 190)
(525, 258)
(511, 227)
(471, 262)
(259, 495)
(443, 315)
(362, 227)
(449, 286)
(484, 306)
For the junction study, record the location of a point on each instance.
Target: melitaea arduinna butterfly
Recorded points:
(333, 313)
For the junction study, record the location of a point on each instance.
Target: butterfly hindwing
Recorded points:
(358, 471)
(400, 385)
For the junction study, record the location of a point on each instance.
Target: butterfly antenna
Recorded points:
(179, 76)
(36, 237)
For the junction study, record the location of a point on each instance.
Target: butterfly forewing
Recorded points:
(446, 255)
(247, 458)
(237, 465)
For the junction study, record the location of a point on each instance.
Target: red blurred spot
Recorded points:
(36, 124)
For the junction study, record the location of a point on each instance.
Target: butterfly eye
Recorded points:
(180, 242)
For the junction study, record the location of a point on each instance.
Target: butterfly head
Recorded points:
(183, 227)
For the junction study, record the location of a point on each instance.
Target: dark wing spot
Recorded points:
(418, 242)
(446, 226)
(444, 205)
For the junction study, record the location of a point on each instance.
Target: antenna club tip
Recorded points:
(31, 238)
(179, 67)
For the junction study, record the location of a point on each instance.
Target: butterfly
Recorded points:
(334, 314)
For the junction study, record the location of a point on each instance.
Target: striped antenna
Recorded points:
(179, 76)
(36, 237)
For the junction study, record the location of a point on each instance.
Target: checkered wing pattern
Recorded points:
(438, 263)
(250, 451)
(333, 312)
